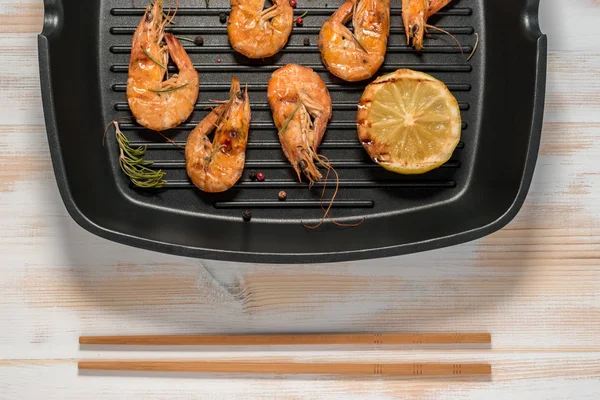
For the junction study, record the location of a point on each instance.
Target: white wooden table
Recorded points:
(534, 285)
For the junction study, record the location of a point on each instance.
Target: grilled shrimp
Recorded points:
(217, 166)
(156, 103)
(257, 32)
(301, 108)
(415, 14)
(358, 56)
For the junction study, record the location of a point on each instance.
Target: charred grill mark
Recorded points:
(365, 123)
(394, 80)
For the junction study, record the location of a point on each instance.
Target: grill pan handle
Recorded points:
(53, 18)
(531, 18)
(532, 28)
(53, 25)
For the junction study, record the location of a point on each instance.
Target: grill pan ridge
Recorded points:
(84, 53)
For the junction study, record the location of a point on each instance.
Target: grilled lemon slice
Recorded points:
(409, 122)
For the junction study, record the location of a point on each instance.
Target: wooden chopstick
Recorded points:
(304, 339)
(290, 368)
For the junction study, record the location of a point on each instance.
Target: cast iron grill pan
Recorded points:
(500, 93)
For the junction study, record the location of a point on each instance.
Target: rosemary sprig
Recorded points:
(186, 39)
(150, 56)
(358, 43)
(207, 2)
(304, 15)
(352, 33)
(169, 89)
(209, 158)
(287, 122)
(135, 166)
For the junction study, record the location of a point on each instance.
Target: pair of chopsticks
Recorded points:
(408, 369)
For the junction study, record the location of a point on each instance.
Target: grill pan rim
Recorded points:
(52, 27)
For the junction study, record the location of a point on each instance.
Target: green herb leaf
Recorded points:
(287, 122)
(135, 166)
(209, 159)
(358, 43)
(186, 39)
(150, 56)
(352, 34)
(168, 90)
(304, 15)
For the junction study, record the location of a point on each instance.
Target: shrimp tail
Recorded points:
(177, 52)
(321, 114)
(435, 6)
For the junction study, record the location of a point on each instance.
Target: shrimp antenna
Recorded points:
(449, 34)
(474, 47)
(324, 161)
(170, 140)
(326, 210)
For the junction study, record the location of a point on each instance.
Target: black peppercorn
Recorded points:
(306, 41)
(222, 17)
(247, 215)
(199, 41)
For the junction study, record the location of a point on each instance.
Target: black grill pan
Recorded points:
(84, 53)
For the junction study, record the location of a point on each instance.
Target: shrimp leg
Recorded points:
(321, 115)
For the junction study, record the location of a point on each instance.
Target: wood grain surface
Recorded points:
(535, 285)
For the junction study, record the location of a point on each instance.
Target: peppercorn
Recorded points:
(222, 18)
(247, 215)
(293, 3)
(253, 175)
(282, 195)
(199, 41)
(299, 21)
(260, 177)
(306, 41)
